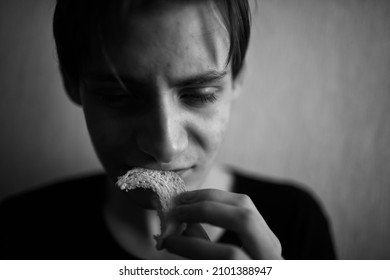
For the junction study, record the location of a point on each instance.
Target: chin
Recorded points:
(197, 178)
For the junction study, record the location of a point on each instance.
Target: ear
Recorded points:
(239, 81)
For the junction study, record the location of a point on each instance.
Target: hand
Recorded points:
(231, 211)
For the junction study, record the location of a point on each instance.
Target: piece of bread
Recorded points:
(167, 185)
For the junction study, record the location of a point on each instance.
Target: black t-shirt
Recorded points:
(65, 221)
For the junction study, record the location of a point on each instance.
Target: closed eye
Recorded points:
(199, 97)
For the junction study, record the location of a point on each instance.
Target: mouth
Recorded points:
(182, 172)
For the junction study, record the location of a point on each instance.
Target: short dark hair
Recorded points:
(75, 25)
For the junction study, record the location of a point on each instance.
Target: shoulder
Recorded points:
(293, 213)
(278, 193)
(50, 214)
(59, 191)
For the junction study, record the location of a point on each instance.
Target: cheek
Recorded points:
(106, 133)
(214, 129)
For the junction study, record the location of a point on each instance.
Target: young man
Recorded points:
(156, 81)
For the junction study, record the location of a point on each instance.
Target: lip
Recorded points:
(181, 171)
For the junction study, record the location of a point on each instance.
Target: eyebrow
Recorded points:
(201, 79)
(192, 80)
(125, 82)
(110, 78)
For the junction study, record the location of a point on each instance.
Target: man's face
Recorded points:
(175, 111)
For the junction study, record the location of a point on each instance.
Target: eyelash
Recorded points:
(199, 97)
(202, 98)
(117, 99)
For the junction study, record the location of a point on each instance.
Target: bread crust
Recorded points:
(167, 185)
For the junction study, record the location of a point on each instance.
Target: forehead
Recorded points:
(171, 40)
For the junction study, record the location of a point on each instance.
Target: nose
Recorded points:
(162, 134)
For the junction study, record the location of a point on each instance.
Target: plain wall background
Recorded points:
(314, 109)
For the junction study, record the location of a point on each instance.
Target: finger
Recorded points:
(198, 249)
(255, 235)
(195, 230)
(222, 215)
(216, 195)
